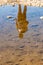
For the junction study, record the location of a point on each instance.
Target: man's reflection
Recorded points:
(21, 22)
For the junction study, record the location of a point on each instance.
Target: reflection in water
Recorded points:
(21, 22)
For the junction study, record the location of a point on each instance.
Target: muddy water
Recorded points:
(21, 36)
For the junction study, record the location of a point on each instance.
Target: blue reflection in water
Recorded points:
(32, 13)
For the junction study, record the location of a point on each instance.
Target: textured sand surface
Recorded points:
(26, 51)
(24, 2)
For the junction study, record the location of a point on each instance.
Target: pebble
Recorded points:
(22, 46)
(41, 17)
(9, 17)
(20, 60)
(16, 64)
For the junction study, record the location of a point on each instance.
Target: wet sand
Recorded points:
(21, 51)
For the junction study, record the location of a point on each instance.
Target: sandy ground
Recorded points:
(38, 3)
(26, 51)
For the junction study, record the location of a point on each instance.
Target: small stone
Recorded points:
(9, 17)
(41, 17)
(20, 60)
(18, 55)
(16, 64)
(13, 4)
(21, 46)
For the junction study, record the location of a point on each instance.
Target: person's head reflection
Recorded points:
(21, 22)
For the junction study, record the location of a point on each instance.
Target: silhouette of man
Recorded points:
(21, 22)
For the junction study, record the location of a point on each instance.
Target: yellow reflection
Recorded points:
(21, 22)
